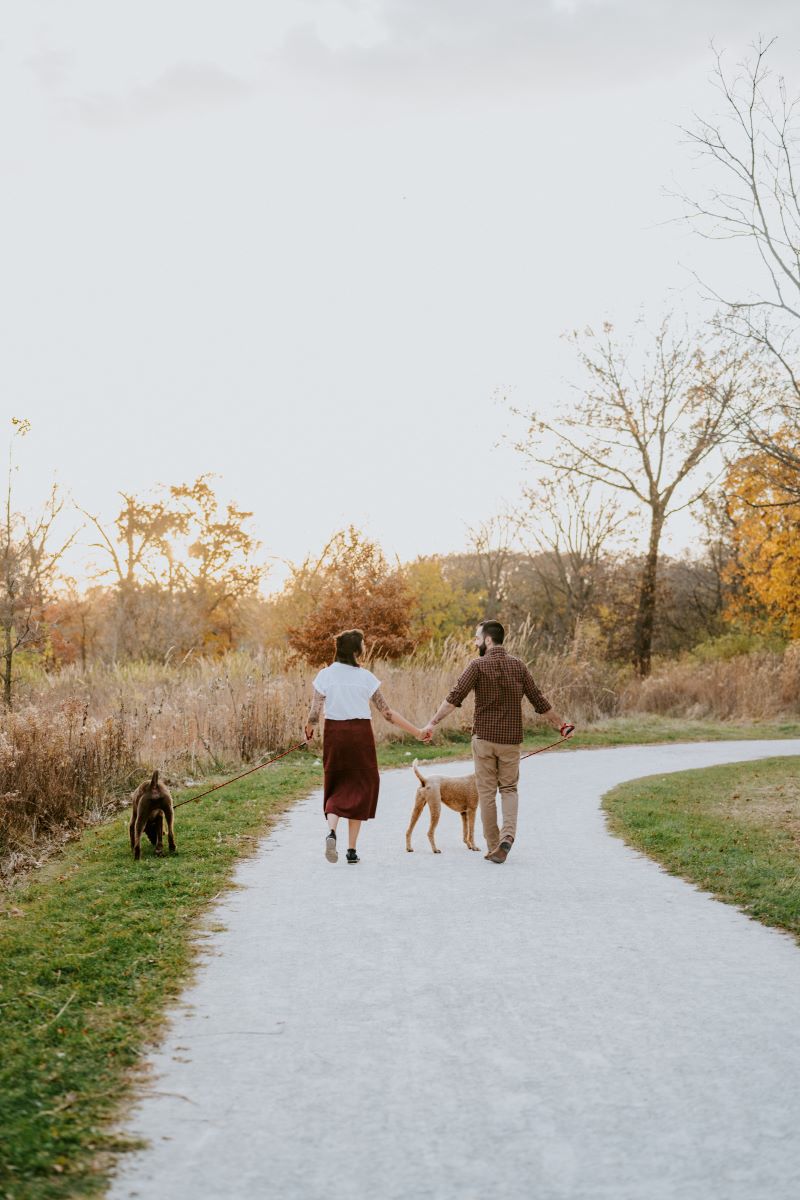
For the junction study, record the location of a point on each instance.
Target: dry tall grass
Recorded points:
(81, 740)
(751, 687)
(58, 768)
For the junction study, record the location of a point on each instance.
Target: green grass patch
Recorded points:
(93, 947)
(732, 830)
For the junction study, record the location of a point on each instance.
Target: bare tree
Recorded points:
(180, 564)
(492, 544)
(217, 565)
(569, 527)
(138, 555)
(644, 431)
(753, 144)
(139, 550)
(28, 563)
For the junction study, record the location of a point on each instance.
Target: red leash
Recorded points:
(217, 786)
(542, 749)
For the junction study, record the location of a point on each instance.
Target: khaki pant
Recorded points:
(496, 767)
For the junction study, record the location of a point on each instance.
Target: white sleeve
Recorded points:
(374, 684)
(317, 686)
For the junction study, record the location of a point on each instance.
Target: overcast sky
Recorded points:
(308, 246)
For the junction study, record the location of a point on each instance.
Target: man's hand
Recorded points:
(558, 722)
(427, 732)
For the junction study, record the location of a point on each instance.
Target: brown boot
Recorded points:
(501, 852)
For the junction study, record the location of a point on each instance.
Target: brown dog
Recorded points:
(460, 794)
(152, 805)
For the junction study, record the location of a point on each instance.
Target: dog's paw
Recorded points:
(437, 852)
(410, 849)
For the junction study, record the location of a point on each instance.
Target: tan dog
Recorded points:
(152, 805)
(460, 794)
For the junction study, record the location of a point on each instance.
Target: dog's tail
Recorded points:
(421, 778)
(154, 781)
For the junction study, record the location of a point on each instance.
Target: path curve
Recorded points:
(573, 1025)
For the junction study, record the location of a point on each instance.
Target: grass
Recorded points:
(732, 830)
(651, 730)
(92, 942)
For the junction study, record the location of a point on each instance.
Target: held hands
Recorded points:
(426, 734)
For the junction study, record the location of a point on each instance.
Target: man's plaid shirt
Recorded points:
(500, 681)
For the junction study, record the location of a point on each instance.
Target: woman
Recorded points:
(349, 761)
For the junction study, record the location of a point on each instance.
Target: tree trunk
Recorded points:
(83, 639)
(7, 662)
(645, 616)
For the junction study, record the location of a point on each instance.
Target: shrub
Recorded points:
(731, 645)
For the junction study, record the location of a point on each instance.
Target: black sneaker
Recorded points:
(352, 857)
(331, 853)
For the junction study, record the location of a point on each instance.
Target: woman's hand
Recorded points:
(309, 732)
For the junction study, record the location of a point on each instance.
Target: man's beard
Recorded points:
(482, 649)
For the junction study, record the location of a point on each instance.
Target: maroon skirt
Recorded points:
(351, 769)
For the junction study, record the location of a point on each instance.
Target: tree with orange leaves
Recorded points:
(765, 514)
(349, 586)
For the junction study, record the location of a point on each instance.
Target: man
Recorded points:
(499, 681)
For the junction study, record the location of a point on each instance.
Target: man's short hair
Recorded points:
(494, 630)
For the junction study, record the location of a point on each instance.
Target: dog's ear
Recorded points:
(154, 781)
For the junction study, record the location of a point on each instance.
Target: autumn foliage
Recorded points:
(765, 531)
(351, 586)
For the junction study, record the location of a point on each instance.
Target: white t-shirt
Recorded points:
(347, 691)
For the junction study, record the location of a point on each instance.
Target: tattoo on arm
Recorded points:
(316, 708)
(381, 705)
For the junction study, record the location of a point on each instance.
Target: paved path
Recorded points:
(575, 1024)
